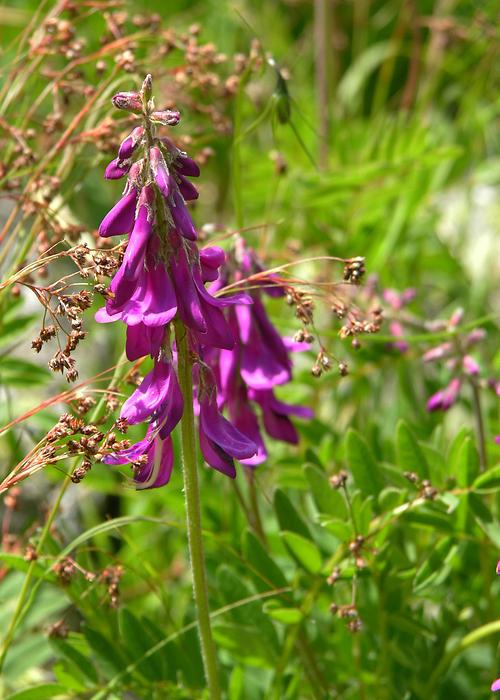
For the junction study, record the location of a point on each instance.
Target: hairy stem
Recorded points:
(193, 515)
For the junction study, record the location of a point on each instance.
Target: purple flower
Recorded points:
(210, 260)
(187, 189)
(116, 169)
(397, 330)
(152, 457)
(133, 260)
(128, 146)
(162, 277)
(129, 101)
(495, 685)
(120, 220)
(397, 300)
(143, 340)
(445, 398)
(264, 357)
(220, 441)
(149, 300)
(438, 352)
(182, 219)
(470, 366)
(198, 309)
(160, 171)
(157, 397)
(276, 415)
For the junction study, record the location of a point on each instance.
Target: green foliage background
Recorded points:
(410, 186)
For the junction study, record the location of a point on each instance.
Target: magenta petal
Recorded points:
(188, 190)
(128, 146)
(218, 333)
(210, 261)
(116, 169)
(159, 303)
(170, 412)
(130, 454)
(435, 402)
(187, 166)
(158, 469)
(143, 340)
(120, 220)
(151, 395)
(220, 431)
(160, 170)
(495, 685)
(182, 218)
(245, 420)
(216, 457)
(186, 292)
(136, 249)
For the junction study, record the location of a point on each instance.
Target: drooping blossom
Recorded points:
(247, 374)
(445, 398)
(162, 279)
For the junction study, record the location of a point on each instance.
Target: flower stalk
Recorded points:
(193, 515)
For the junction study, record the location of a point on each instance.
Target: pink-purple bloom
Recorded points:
(445, 398)
(162, 278)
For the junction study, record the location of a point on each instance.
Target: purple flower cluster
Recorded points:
(239, 356)
(247, 374)
(457, 360)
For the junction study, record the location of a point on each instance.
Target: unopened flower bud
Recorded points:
(167, 117)
(147, 87)
(343, 369)
(129, 101)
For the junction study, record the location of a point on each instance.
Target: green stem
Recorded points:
(472, 638)
(193, 515)
(478, 414)
(23, 605)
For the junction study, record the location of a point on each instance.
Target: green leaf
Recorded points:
(105, 649)
(467, 464)
(488, 481)
(16, 372)
(433, 567)
(262, 562)
(252, 652)
(304, 551)
(137, 641)
(327, 500)
(287, 616)
(232, 588)
(76, 658)
(287, 515)
(409, 454)
(46, 691)
(362, 465)
(14, 327)
(14, 561)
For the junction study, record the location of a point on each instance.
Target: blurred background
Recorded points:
(328, 128)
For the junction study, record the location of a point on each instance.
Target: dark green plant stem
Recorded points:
(323, 46)
(478, 414)
(193, 515)
(23, 605)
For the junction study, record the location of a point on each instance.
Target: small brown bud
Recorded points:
(343, 369)
(337, 481)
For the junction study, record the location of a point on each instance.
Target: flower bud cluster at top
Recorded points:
(162, 279)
